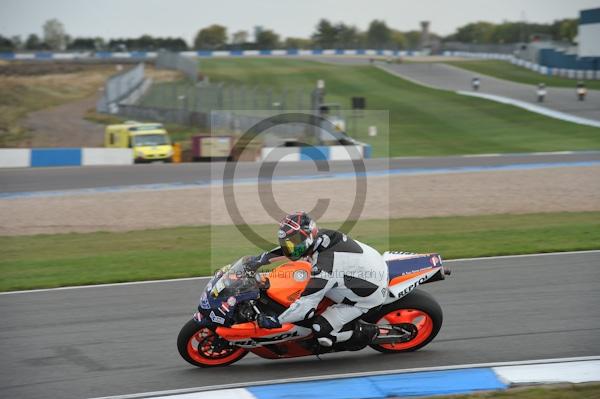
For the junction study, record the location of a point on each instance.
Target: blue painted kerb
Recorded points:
(409, 384)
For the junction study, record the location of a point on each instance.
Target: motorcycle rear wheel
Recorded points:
(419, 309)
(195, 346)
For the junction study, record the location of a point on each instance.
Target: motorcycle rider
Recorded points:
(350, 273)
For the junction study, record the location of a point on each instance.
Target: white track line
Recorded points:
(175, 280)
(504, 155)
(350, 375)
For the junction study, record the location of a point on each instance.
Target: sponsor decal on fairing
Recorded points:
(204, 302)
(404, 289)
(216, 319)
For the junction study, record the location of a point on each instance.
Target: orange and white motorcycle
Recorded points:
(224, 329)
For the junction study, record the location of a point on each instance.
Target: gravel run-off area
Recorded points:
(476, 193)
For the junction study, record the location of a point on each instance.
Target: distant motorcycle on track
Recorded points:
(224, 329)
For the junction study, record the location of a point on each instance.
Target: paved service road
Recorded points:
(112, 340)
(48, 179)
(449, 77)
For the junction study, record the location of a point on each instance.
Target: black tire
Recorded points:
(187, 332)
(419, 300)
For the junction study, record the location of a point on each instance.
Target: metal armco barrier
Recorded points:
(119, 87)
(185, 64)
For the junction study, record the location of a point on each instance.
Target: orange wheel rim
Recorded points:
(200, 349)
(421, 320)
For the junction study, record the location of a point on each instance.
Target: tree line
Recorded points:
(326, 34)
(514, 32)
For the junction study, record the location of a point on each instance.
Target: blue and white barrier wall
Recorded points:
(316, 153)
(142, 55)
(47, 157)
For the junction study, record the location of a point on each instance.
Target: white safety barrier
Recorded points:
(106, 156)
(15, 157)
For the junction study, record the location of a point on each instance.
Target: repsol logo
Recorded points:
(412, 287)
(255, 341)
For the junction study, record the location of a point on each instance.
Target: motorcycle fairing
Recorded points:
(285, 350)
(250, 335)
(410, 282)
(409, 270)
(288, 281)
(403, 263)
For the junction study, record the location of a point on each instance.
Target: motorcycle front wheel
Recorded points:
(196, 345)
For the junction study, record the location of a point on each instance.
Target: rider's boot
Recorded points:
(363, 335)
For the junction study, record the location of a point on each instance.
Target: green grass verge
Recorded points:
(507, 71)
(28, 262)
(579, 391)
(422, 121)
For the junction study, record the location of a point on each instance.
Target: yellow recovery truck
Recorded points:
(149, 141)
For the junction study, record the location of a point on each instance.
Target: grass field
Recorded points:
(25, 88)
(575, 391)
(20, 95)
(507, 71)
(29, 262)
(422, 121)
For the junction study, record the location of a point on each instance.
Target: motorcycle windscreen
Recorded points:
(232, 281)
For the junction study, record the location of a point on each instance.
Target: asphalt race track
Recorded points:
(111, 340)
(49, 179)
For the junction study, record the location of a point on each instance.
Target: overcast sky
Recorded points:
(183, 18)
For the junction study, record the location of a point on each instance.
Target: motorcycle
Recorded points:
(224, 329)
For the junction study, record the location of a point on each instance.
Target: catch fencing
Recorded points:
(186, 65)
(119, 87)
(239, 122)
(191, 105)
(206, 97)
